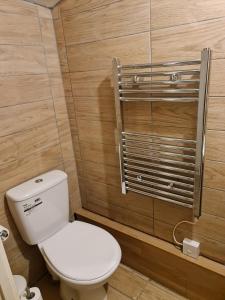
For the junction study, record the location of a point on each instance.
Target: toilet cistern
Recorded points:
(82, 256)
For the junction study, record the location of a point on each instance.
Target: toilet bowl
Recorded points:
(90, 257)
(80, 255)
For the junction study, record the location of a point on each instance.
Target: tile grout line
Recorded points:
(190, 23)
(119, 291)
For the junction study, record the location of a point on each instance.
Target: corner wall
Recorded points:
(89, 34)
(35, 135)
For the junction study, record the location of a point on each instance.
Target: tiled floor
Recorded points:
(125, 284)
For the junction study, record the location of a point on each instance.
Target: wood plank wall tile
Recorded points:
(186, 41)
(55, 12)
(70, 106)
(171, 213)
(35, 133)
(211, 227)
(62, 51)
(123, 215)
(98, 55)
(24, 116)
(116, 23)
(96, 131)
(28, 167)
(213, 202)
(83, 5)
(112, 195)
(216, 110)
(95, 108)
(136, 113)
(23, 89)
(214, 176)
(155, 129)
(57, 85)
(18, 7)
(24, 143)
(21, 60)
(173, 13)
(100, 153)
(76, 146)
(13, 29)
(92, 84)
(171, 114)
(217, 73)
(89, 34)
(215, 144)
(67, 84)
(102, 173)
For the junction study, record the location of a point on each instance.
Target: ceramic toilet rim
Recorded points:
(83, 282)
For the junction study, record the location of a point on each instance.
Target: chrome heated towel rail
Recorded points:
(166, 168)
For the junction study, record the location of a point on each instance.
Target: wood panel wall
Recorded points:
(89, 34)
(35, 134)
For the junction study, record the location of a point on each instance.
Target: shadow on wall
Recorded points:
(109, 162)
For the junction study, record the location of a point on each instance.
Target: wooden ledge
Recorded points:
(201, 261)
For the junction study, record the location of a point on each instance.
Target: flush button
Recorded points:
(38, 180)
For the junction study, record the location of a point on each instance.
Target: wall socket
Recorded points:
(191, 248)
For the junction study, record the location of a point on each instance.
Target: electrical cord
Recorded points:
(175, 227)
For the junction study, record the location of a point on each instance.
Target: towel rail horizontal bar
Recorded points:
(154, 158)
(159, 82)
(167, 91)
(185, 199)
(160, 197)
(163, 167)
(166, 153)
(160, 179)
(175, 147)
(165, 138)
(164, 73)
(166, 174)
(159, 99)
(162, 64)
(163, 186)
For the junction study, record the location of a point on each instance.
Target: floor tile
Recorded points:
(129, 282)
(155, 291)
(116, 295)
(125, 284)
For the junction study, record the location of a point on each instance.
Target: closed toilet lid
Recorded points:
(82, 252)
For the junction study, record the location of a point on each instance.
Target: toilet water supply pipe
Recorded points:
(177, 225)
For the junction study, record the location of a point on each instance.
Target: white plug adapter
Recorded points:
(191, 248)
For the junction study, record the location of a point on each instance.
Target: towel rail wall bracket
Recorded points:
(168, 168)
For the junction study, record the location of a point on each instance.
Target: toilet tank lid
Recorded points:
(36, 186)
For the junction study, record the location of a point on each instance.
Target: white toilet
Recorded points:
(80, 255)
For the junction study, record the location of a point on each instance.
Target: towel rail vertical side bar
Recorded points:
(119, 119)
(201, 128)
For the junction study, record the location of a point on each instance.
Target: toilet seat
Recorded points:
(82, 252)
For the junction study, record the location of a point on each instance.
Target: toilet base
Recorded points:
(69, 293)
